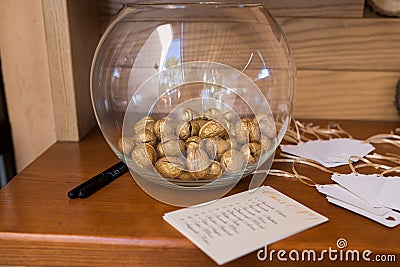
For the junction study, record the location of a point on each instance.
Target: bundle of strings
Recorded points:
(299, 132)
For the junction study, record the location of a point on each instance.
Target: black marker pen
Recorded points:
(99, 181)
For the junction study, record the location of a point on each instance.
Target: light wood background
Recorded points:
(26, 79)
(347, 60)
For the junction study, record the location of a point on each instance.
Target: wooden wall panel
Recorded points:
(84, 32)
(26, 79)
(60, 66)
(344, 44)
(71, 34)
(315, 8)
(325, 43)
(280, 8)
(339, 54)
(346, 95)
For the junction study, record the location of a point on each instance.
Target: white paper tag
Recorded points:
(330, 153)
(237, 225)
(390, 219)
(340, 193)
(377, 190)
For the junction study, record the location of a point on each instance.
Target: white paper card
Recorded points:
(338, 192)
(377, 190)
(234, 226)
(330, 153)
(389, 219)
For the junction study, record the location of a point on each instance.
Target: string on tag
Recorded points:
(296, 175)
(299, 132)
(390, 157)
(391, 138)
(302, 132)
(367, 163)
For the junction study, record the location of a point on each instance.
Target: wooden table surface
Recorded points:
(122, 226)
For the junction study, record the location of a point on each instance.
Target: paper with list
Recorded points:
(234, 226)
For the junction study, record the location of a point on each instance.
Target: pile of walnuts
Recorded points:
(198, 147)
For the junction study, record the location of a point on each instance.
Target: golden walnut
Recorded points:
(145, 136)
(196, 159)
(146, 122)
(247, 131)
(212, 129)
(164, 126)
(245, 150)
(188, 115)
(144, 155)
(267, 125)
(171, 167)
(212, 144)
(233, 161)
(125, 145)
(217, 146)
(213, 171)
(193, 141)
(170, 146)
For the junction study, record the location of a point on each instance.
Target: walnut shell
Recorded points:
(171, 167)
(193, 141)
(252, 151)
(126, 144)
(255, 149)
(185, 131)
(212, 129)
(266, 143)
(200, 122)
(233, 161)
(245, 150)
(266, 124)
(247, 131)
(213, 113)
(188, 115)
(216, 146)
(185, 176)
(213, 171)
(229, 116)
(146, 122)
(254, 131)
(196, 159)
(195, 126)
(164, 126)
(145, 136)
(232, 141)
(144, 155)
(188, 129)
(170, 147)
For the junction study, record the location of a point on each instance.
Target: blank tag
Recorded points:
(330, 153)
(340, 193)
(390, 219)
(377, 190)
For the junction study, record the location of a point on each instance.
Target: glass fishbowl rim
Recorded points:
(175, 5)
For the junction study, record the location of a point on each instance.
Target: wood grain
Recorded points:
(26, 79)
(344, 44)
(346, 95)
(285, 8)
(61, 69)
(84, 36)
(122, 226)
(71, 36)
(315, 8)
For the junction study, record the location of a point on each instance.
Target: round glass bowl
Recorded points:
(193, 96)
